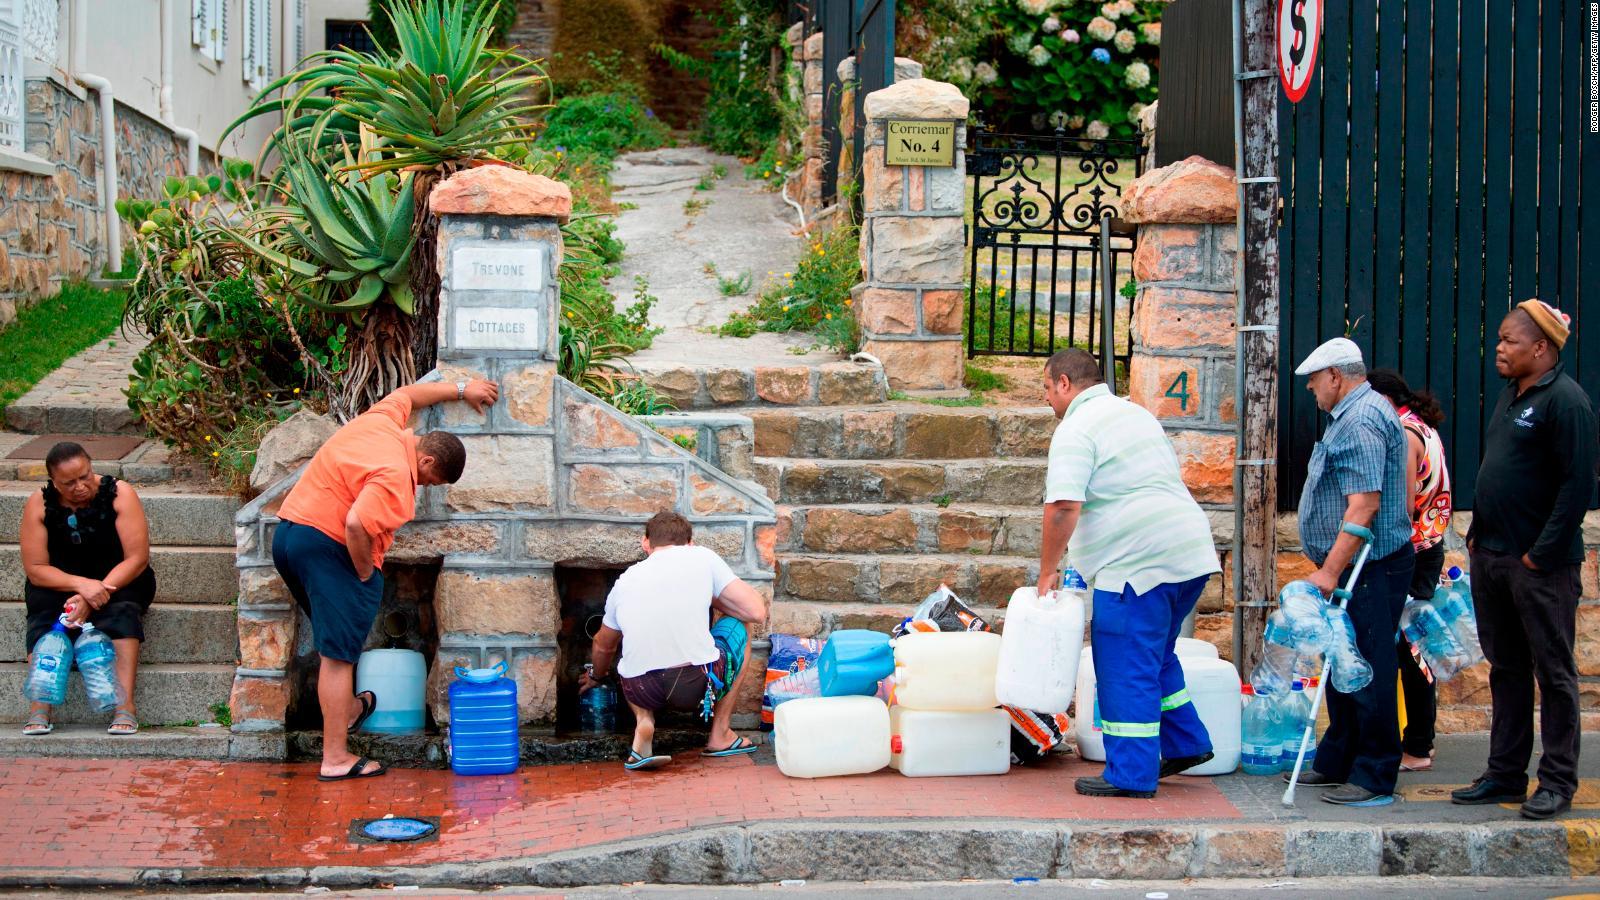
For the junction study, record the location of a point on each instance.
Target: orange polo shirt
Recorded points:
(369, 465)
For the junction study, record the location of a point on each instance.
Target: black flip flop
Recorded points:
(366, 710)
(355, 772)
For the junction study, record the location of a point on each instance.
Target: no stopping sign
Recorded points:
(1299, 37)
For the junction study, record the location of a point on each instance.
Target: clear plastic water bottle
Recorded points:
(52, 663)
(1259, 744)
(1279, 658)
(96, 658)
(1349, 672)
(1453, 599)
(597, 708)
(1296, 711)
(1422, 624)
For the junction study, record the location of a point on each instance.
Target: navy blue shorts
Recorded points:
(318, 572)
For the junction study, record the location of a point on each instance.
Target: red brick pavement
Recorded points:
(183, 813)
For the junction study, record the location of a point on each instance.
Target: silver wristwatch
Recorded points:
(461, 390)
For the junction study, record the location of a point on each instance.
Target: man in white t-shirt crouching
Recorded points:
(658, 617)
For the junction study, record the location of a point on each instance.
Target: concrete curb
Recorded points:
(943, 850)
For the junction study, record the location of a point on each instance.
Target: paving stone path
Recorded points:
(743, 228)
(85, 395)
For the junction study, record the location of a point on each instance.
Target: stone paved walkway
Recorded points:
(85, 395)
(743, 228)
(191, 814)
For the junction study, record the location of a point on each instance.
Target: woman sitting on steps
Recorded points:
(86, 544)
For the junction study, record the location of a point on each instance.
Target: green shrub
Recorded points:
(744, 112)
(814, 298)
(598, 40)
(598, 127)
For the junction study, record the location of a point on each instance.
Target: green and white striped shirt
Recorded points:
(1139, 525)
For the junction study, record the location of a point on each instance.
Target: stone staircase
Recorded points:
(186, 665)
(881, 503)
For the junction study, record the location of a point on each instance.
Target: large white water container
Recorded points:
(1038, 665)
(931, 742)
(1206, 677)
(818, 737)
(398, 678)
(946, 669)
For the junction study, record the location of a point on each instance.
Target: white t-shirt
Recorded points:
(662, 606)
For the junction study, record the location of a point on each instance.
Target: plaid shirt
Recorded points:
(1363, 450)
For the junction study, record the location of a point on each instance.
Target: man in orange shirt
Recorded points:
(335, 526)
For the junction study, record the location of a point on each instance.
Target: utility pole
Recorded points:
(1255, 480)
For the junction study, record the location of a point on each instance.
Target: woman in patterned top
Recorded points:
(1430, 518)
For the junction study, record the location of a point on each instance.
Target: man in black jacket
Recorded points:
(1526, 542)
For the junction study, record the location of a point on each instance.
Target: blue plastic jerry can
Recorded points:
(853, 662)
(483, 722)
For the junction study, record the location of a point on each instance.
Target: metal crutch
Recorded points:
(1342, 596)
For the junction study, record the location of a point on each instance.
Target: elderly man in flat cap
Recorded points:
(1526, 542)
(1358, 482)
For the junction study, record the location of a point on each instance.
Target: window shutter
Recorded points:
(268, 51)
(219, 29)
(299, 30)
(252, 46)
(200, 24)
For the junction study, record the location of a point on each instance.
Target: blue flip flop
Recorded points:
(637, 763)
(739, 747)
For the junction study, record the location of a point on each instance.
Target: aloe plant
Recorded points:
(441, 96)
(345, 241)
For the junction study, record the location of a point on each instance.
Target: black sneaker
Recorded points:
(1312, 778)
(1095, 786)
(1483, 792)
(1356, 795)
(1183, 764)
(1545, 804)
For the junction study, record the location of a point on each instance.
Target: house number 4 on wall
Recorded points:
(1179, 391)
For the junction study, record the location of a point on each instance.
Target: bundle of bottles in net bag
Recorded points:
(1444, 630)
(1301, 632)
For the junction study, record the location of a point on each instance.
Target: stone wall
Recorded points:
(913, 245)
(805, 55)
(554, 477)
(51, 227)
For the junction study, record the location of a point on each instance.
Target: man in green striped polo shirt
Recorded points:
(1116, 503)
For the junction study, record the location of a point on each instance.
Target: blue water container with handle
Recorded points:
(483, 722)
(853, 662)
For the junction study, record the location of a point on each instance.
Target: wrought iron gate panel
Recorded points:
(1035, 282)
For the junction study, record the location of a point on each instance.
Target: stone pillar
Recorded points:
(1183, 339)
(904, 70)
(913, 247)
(499, 250)
(811, 149)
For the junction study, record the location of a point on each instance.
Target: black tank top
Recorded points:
(93, 548)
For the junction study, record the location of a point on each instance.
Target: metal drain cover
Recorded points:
(398, 829)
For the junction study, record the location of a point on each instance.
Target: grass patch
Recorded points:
(694, 206)
(719, 171)
(735, 286)
(222, 714)
(980, 379)
(49, 333)
(705, 183)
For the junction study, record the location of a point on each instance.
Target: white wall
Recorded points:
(124, 45)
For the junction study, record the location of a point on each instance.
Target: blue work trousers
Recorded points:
(1144, 708)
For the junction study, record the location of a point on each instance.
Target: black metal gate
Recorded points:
(859, 29)
(1434, 173)
(1044, 237)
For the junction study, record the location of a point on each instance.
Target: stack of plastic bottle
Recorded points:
(1445, 628)
(1303, 632)
(54, 656)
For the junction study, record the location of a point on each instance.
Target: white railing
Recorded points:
(12, 100)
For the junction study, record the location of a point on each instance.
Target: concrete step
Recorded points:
(831, 578)
(922, 528)
(902, 430)
(167, 694)
(91, 741)
(148, 464)
(819, 619)
(183, 574)
(705, 386)
(174, 633)
(1014, 481)
(179, 514)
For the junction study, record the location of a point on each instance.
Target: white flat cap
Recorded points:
(1337, 352)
